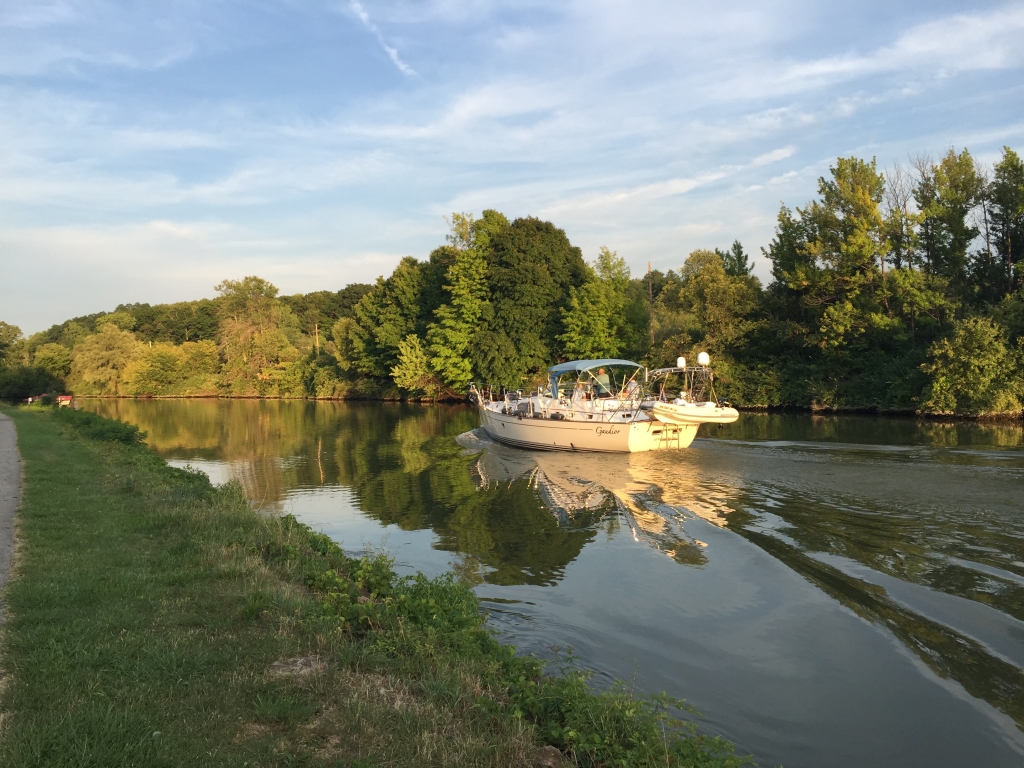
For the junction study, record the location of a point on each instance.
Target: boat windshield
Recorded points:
(599, 381)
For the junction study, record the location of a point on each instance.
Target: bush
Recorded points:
(974, 371)
(98, 428)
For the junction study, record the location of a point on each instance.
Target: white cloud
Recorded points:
(391, 51)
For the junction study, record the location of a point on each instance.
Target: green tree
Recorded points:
(413, 371)
(342, 344)
(72, 334)
(123, 320)
(55, 359)
(531, 267)
(736, 262)
(946, 194)
(973, 371)
(456, 323)
(99, 361)
(256, 334)
(1007, 204)
(845, 247)
(178, 323)
(594, 318)
(705, 305)
(10, 335)
(385, 316)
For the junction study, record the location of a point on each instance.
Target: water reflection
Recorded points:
(914, 530)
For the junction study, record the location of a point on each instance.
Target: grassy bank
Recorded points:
(155, 620)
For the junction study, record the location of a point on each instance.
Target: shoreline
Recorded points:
(1001, 418)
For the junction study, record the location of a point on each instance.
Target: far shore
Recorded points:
(1002, 418)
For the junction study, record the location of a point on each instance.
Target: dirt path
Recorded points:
(10, 494)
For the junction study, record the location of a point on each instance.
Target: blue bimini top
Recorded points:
(583, 365)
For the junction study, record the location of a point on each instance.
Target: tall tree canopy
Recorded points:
(255, 334)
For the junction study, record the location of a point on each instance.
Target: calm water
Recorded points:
(835, 591)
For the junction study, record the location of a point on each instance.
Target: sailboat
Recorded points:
(609, 405)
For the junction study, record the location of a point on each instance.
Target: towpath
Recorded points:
(10, 494)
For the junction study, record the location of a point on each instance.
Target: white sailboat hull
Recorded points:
(580, 435)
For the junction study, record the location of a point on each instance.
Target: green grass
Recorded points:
(154, 620)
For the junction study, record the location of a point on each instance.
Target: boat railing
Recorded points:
(698, 382)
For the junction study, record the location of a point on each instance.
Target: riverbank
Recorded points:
(154, 619)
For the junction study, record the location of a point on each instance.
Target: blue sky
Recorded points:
(150, 150)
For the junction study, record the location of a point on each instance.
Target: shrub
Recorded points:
(974, 371)
(98, 428)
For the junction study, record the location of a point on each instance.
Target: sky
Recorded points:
(150, 150)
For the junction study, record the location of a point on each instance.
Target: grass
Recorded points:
(154, 620)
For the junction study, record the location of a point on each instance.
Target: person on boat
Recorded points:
(579, 392)
(604, 384)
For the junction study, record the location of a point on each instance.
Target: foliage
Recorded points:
(96, 427)
(386, 316)
(99, 361)
(594, 318)
(165, 369)
(255, 336)
(10, 335)
(55, 359)
(175, 323)
(456, 322)
(21, 381)
(867, 278)
(413, 371)
(531, 268)
(973, 371)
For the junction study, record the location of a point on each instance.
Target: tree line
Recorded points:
(900, 290)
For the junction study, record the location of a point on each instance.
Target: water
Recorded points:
(838, 591)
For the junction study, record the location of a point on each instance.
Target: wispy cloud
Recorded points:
(391, 51)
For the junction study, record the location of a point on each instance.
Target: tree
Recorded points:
(255, 335)
(846, 241)
(99, 361)
(594, 316)
(413, 371)
(456, 323)
(123, 319)
(10, 335)
(735, 260)
(388, 313)
(174, 369)
(1007, 205)
(531, 267)
(55, 359)
(900, 220)
(946, 194)
(705, 305)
